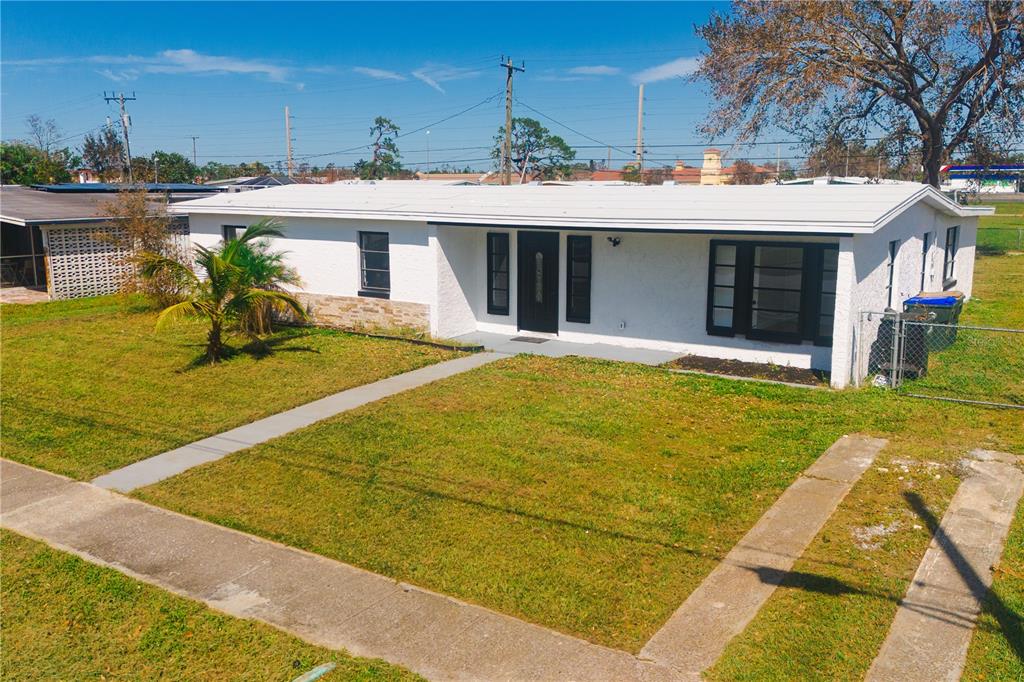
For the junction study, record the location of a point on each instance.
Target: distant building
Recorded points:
(996, 179)
(711, 172)
(85, 175)
(489, 178)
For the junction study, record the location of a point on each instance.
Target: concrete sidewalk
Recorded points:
(174, 462)
(320, 600)
(932, 629)
(729, 598)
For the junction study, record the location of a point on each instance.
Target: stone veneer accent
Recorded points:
(355, 312)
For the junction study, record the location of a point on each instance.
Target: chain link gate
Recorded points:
(925, 359)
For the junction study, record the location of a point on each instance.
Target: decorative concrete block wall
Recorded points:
(357, 312)
(88, 260)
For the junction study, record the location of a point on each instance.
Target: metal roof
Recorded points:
(825, 209)
(27, 206)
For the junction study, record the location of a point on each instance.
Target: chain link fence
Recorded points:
(997, 241)
(926, 359)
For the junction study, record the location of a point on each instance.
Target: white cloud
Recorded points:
(677, 68)
(380, 74)
(435, 74)
(169, 61)
(597, 70)
(190, 61)
(120, 75)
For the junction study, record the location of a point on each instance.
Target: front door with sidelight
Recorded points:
(538, 281)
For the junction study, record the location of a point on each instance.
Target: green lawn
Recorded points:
(89, 386)
(67, 619)
(587, 496)
(1004, 231)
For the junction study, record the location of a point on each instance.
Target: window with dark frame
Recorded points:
(497, 273)
(579, 255)
(894, 249)
(949, 258)
(926, 244)
(772, 291)
(374, 265)
(230, 232)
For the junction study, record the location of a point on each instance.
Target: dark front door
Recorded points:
(538, 281)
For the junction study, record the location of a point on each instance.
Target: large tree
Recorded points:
(104, 153)
(926, 76)
(537, 154)
(385, 161)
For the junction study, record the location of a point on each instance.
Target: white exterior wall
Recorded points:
(325, 252)
(869, 255)
(654, 283)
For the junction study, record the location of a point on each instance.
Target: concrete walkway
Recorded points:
(322, 601)
(557, 348)
(932, 630)
(729, 598)
(174, 462)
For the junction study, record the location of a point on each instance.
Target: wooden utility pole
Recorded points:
(640, 132)
(506, 152)
(194, 157)
(125, 124)
(288, 138)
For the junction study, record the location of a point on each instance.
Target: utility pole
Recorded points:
(194, 157)
(609, 166)
(428, 152)
(846, 173)
(506, 153)
(640, 132)
(288, 138)
(778, 162)
(125, 123)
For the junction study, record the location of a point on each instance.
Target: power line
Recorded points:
(405, 134)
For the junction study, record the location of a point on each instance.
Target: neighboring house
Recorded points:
(756, 273)
(261, 182)
(58, 237)
(711, 172)
(85, 175)
(488, 178)
(996, 179)
(847, 180)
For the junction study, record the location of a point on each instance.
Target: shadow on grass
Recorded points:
(255, 348)
(1010, 622)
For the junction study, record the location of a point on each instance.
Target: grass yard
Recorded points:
(67, 619)
(89, 386)
(587, 496)
(1004, 231)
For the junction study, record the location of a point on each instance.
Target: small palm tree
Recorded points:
(233, 290)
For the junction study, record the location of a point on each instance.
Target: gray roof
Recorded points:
(26, 206)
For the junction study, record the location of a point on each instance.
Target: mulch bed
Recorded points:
(753, 370)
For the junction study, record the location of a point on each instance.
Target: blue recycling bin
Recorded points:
(940, 308)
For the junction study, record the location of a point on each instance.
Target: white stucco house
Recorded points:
(755, 273)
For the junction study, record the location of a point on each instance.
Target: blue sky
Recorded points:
(225, 71)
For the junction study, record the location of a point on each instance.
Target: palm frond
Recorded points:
(153, 264)
(268, 227)
(178, 311)
(252, 298)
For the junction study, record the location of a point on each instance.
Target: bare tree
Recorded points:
(44, 134)
(931, 76)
